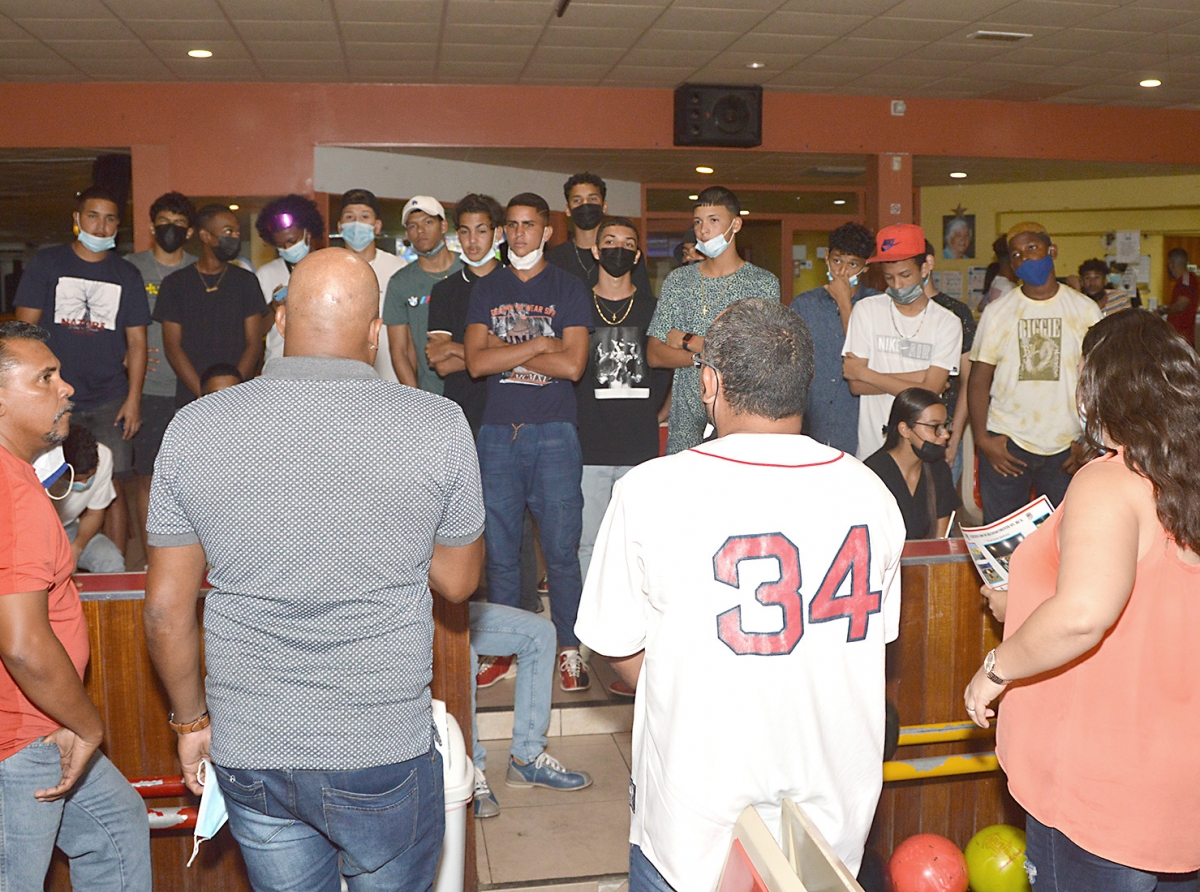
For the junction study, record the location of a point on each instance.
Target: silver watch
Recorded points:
(989, 668)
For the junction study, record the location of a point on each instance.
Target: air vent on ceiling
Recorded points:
(998, 36)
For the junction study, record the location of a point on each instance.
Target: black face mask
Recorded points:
(617, 261)
(930, 452)
(228, 247)
(587, 216)
(170, 236)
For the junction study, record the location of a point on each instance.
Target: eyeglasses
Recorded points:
(938, 429)
(697, 361)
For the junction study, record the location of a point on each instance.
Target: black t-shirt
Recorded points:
(915, 506)
(448, 303)
(963, 312)
(213, 322)
(619, 394)
(580, 263)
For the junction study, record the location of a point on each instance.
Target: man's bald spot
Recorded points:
(332, 289)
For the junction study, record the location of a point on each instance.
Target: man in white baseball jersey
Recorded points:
(784, 583)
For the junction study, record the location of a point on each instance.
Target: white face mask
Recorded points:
(50, 465)
(486, 259)
(530, 260)
(716, 245)
(212, 814)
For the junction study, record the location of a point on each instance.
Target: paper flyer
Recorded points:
(991, 546)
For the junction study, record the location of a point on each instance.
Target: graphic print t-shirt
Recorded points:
(516, 311)
(86, 308)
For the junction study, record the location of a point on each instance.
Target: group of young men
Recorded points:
(552, 358)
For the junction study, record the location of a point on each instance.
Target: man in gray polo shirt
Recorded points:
(318, 632)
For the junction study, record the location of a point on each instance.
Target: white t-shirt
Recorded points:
(1035, 346)
(98, 496)
(271, 277)
(743, 701)
(385, 265)
(891, 342)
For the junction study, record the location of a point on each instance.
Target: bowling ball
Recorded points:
(996, 860)
(928, 863)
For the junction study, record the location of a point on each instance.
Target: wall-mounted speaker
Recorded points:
(718, 115)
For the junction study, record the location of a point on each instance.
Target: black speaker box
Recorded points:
(718, 115)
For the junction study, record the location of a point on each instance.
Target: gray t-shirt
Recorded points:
(318, 632)
(407, 303)
(690, 301)
(160, 379)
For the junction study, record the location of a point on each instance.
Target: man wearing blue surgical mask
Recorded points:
(692, 297)
(900, 339)
(406, 305)
(832, 416)
(293, 226)
(1024, 368)
(359, 226)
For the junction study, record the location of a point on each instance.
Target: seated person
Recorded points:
(82, 498)
(912, 463)
(497, 629)
(219, 376)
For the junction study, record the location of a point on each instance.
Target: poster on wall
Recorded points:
(958, 237)
(949, 282)
(976, 275)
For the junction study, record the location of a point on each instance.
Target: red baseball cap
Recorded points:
(899, 242)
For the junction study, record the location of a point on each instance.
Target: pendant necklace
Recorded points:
(704, 290)
(614, 320)
(209, 289)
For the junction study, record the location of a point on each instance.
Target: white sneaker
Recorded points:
(572, 671)
(486, 805)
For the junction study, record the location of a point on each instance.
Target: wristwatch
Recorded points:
(989, 668)
(687, 339)
(198, 725)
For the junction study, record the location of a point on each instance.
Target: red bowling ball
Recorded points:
(928, 863)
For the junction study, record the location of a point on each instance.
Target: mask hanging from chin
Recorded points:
(930, 452)
(908, 294)
(529, 261)
(716, 245)
(293, 254)
(95, 243)
(485, 259)
(50, 466)
(432, 252)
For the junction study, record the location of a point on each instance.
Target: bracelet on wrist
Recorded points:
(189, 727)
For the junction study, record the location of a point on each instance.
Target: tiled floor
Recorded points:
(568, 842)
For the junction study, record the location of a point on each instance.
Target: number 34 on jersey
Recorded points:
(854, 605)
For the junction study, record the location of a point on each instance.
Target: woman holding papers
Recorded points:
(1102, 714)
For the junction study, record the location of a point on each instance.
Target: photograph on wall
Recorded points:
(958, 237)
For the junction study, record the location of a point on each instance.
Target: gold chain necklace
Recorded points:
(614, 320)
(579, 259)
(209, 289)
(899, 334)
(704, 290)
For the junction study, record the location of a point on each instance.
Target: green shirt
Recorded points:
(407, 303)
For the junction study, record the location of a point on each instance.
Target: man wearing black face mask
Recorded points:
(587, 204)
(212, 311)
(173, 222)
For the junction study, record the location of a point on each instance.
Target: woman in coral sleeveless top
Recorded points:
(1099, 730)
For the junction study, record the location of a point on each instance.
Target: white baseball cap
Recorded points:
(426, 203)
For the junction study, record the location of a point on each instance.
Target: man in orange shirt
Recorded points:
(55, 788)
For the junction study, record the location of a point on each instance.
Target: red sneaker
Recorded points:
(492, 669)
(621, 689)
(572, 671)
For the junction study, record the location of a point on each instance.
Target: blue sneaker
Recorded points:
(486, 805)
(546, 771)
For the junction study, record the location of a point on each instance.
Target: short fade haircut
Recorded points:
(530, 200)
(610, 222)
(475, 203)
(97, 193)
(719, 196)
(16, 331)
(583, 178)
(1094, 265)
(853, 239)
(222, 370)
(1179, 255)
(80, 450)
(174, 203)
(764, 353)
(303, 212)
(360, 196)
(205, 214)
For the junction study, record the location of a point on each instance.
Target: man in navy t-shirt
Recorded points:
(527, 330)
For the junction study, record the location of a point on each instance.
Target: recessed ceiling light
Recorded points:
(839, 201)
(703, 169)
(200, 54)
(1150, 82)
(693, 197)
(958, 175)
(756, 65)
(233, 207)
(744, 213)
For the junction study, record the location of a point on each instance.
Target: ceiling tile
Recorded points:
(72, 29)
(1076, 75)
(891, 28)
(1083, 39)
(495, 35)
(386, 52)
(609, 37)
(181, 30)
(810, 78)
(126, 69)
(101, 49)
(761, 42)
(1143, 21)
(168, 50)
(394, 11)
(300, 50)
(932, 67)
(1052, 12)
(25, 49)
(857, 7)
(805, 24)
(589, 73)
(396, 72)
(772, 61)
(659, 75)
(737, 19)
(372, 32)
(738, 76)
(38, 66)
(498, 12)
(310, 70)
(584, 55)
(205, 69)
(287, 30)
(839, 64)
(1036, 55)
(961, 10)
(1183, 5)
(695, 41)
(877, 50)
(679, 58)
(891, 82)
(706, 5)
(959, 51)
(517, 54)
(608, 15)
(166, 10)
(556, 82)
(480, 71)
(283, 10)
(56, 9)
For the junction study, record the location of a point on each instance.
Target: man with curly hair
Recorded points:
(292, 225)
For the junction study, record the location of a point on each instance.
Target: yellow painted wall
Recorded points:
(1076, 212)
(815, 277)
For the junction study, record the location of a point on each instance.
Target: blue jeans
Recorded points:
(1002, 496)
(100, 825)
(100, 555)
(598, 483)
(539, 466)
(497, 629)
(386, 824)
(1056, 864)
(644, 876)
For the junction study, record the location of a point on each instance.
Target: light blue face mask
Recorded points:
(357, 235)
(295, 253)
(95, 244)
(212, 814)
(78, 486)
(485, 259)
(853, 279)
(716, 245)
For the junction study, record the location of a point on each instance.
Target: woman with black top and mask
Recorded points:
(912, 463)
